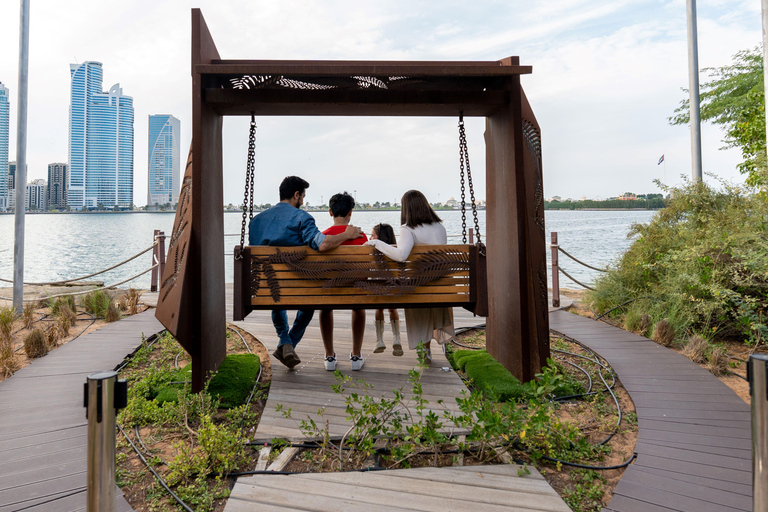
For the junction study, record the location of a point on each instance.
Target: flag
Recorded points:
(660, 160)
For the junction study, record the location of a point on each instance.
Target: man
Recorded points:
(285, 224)
(341, 206)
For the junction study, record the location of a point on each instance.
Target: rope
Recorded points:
(87, 291)
(89, 275)
(579, 261)
(574, 280)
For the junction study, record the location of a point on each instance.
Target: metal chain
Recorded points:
(462, 145)
(464, 156)
(249, 178)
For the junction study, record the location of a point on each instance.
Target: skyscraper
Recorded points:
(5, 119)
(164, 164)
(57, 186)
(35, 195)
(100, 141)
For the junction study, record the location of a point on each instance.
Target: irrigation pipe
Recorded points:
(625, 303)
(86, 291)
(586, 466)
(89, 275)
(561, 269)
(579, 261)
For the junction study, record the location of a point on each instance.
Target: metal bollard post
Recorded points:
(757, 374)
(155, 259)
(555, 272)
(104, 394)
(161, 257)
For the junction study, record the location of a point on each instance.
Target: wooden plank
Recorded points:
(671, 499)
(291, 280)
(436, 300)
(283, 459)
(360, 293)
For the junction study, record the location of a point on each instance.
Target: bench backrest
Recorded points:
(355, 277)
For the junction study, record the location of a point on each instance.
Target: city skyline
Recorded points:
(164, 165)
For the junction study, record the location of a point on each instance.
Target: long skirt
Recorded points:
(420, 324)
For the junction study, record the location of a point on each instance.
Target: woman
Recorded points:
(420, 226)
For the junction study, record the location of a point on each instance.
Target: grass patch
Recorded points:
(97, 303)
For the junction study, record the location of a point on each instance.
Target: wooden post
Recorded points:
(161, 255)
(471, 236)
(555, 272)
(153, 285)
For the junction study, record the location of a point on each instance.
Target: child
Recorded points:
(386, 234)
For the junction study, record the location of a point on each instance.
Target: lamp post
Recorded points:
(20, 179)
(693, 90)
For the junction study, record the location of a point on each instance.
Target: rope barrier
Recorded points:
(89, 275)
(579, 261)
(86, 291)
(573, 279)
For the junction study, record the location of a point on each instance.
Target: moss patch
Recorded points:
(231, 385)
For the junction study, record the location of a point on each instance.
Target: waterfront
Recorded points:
(63, 246)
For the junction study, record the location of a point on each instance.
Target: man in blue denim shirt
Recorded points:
(285, 224)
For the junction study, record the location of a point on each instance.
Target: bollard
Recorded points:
(555, 272)
(161, 254)
(155, 260)
(757, 375)
(471, 236)
(104, 394)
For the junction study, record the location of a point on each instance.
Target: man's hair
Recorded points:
(341, 204)
(415, 210)
(291, 185)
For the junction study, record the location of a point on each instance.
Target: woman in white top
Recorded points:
(420, 226)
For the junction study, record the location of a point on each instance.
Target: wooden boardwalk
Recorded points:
(477, 488)
(43, 426)
(694, 441)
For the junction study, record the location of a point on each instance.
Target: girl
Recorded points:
(386, 234)
(420, 226)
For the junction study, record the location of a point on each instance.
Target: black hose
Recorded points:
(586, 466)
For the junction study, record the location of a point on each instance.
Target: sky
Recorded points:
(606, 77)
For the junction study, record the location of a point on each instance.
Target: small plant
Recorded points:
(28, 316)
(9, 363)
(664, 333)
(113, 314)
(7, 319)
(63, 323)
(696, 349)
(53, 335)
(645, 323)
(586, 491)
(56, 304)
(35, 344)
(97, 303)
(717, 360)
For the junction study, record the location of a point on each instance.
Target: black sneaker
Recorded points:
(286, 355)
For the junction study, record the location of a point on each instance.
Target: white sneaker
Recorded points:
(330, 363)
(356, 362)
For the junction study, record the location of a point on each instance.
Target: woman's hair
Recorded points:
(415, 210)
(385, 233)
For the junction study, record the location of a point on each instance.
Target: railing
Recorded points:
(557, 269)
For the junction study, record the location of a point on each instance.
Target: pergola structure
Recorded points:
(192, 294)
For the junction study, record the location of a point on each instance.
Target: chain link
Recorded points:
(464, 157)
(249, 180)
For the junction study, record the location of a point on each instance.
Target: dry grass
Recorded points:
(113, 314)
(28, 316)
(53, 336)
(63, 324)
(664, 333)
(9, 363)
(645, 323)
(717, 361)
(35, 344)
(134, 296)
(7, 320)
(696, 349)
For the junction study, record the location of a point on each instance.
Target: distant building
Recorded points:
(100, 141)
(556, 198)
(57, 186)
(35, 198)
(627, 196)
(5, 116)
(164, 164)
(12, 184)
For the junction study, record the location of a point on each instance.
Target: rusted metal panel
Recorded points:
(173, 300)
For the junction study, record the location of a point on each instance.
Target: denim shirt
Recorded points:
(284, 225)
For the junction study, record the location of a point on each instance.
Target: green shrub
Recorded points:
(703, 258)
(56, 303)
(97, 303)
(7, 319)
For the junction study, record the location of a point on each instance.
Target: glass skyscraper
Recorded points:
(164, 163)
(5, 120)
(100, 141)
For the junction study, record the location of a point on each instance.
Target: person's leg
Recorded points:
(326, 330)
(284, 352)
(394, 320)
(358, 329)
(379, 324)
(303, 317)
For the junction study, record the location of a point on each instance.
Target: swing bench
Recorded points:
(359, 277)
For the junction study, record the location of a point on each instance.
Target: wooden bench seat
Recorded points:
(357, 277)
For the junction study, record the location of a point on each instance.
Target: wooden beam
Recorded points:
(359, 68)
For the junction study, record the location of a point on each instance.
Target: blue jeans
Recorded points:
(280, 321)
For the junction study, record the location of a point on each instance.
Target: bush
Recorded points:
(663, 333)
(113, 314)
(35, 344)
(703, 257)
(7, 319)
(58, 302)
(97, 303)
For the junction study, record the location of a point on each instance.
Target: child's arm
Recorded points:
(403, 249)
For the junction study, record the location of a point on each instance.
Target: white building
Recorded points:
(36, 196)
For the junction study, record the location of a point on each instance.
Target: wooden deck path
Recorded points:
(42, 419)
(694, 441)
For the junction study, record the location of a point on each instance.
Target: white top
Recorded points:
(424, 234)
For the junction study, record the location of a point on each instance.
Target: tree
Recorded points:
(734, 97)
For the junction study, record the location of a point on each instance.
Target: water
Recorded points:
(63, 246)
